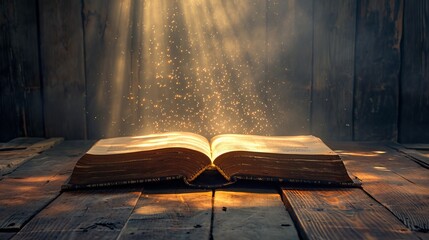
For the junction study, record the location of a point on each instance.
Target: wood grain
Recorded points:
(289, 52)
(174, 214)
(20, 83)
(342, 214)
(390, 177)
(111, 46)
(333, 69)
(378, 60)
(95, 214)
(251, 214)
(414, 115)
(36, 183)
(418, 146)
(19, 143)
(6, 235)
(418, 156)
(10, 160)
(62, 56)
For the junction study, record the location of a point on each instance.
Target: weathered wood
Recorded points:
(62, 61)
(289, 37)
(418, 146)
(251, 215)
(378, 60)
(7, 235)
(19, 143)
(20, 92)
(371, 157)
(83, 215)
(414, 155)
(333, 69)
(414, 115)
(37, 182)
(109, 38)
(422, 235)
(395, 181)
(10, 160)
(26, 45)
(174, 214)
(342, 214)
(424, 153)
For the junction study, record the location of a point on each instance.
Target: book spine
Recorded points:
(192, 178)
(223, 173)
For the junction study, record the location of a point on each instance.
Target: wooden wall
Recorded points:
(353, 70)
(414, 84)
(21, 109)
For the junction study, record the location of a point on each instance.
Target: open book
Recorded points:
(174, 155)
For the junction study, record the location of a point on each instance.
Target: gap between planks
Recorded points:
(170, 214)
(36, 183)
(414, 155)
(83, 214)
(251, 214)
(342, 214)
(16, 152)
(204, 214)
(391, 178)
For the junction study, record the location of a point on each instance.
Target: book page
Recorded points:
(297, 145)
(121, 145)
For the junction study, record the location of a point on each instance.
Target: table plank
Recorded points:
(15, 153)
(36, 183)
(418, 146)
(20, 143)
(83, 214)
(259, 214)
(7, 235)
(342, 214)
(395, 181)
(418, 156)
(423, 152)
(175, 214)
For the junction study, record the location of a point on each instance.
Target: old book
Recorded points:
(175, 155)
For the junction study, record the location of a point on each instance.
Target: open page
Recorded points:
(154, 157)
(298, 159)
(123, 145)
(294, 145)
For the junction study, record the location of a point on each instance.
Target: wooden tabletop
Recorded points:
(393, 202)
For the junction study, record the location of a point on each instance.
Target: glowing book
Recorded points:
(182, 155)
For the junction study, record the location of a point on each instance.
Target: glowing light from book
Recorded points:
(196, 66)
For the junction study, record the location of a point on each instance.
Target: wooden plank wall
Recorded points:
(350, 70)
(21, 112)
(414, 109)
(110, 55)
(287, 61)
(62, 64)
(378, 40)
(332, 92)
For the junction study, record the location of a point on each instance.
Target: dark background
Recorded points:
(349, 69)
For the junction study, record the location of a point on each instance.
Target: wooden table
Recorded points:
(393, 202)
